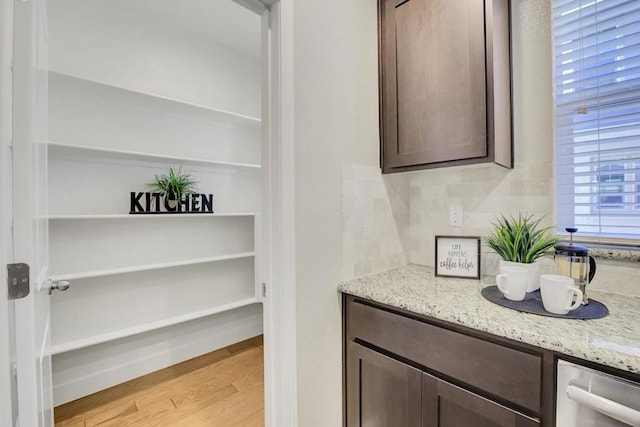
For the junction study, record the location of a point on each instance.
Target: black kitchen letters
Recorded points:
(157, 203)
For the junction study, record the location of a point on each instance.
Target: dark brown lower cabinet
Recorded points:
(446, 405)
(384, 391)
(406, 370)
(388, 393)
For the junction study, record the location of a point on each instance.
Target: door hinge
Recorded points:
(264, 290)
(18, 278)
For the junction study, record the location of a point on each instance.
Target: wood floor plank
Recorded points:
(252, 420)
(204, 382)
(71, 423)
(103, 417)
(222, 388)
(252, 377)
(197, 399)
(228, 412)
(137, 385)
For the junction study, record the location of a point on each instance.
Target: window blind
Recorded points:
(596, 52)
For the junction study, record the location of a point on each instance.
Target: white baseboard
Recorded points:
(85, 371)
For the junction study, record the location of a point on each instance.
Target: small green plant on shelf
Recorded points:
(520, 239)
(173, 185)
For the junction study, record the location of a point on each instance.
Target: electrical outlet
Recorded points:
(455, 216)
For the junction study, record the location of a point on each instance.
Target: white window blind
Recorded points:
(596, 48)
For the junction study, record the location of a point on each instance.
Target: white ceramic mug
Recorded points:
(558, 293)
(512, 282)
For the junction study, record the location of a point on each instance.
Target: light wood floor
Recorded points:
(222, 388)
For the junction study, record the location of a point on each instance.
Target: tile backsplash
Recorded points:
(483, 192)
(391, 220)
(622, 277)
(375, 219)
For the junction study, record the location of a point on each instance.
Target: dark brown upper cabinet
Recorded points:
(445, 83)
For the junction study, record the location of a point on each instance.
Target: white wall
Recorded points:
(124, 44)
(336, 122)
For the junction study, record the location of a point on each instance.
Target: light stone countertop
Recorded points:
(613, 340)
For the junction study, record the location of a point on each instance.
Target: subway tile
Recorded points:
(366, 173)
(474, 189)
(537, 171)
(381, 206)
(348, 271)
(484, 173)
(351, 188)
(433, 191)
(531, 188)
(363, 268)
(351, 221)
(357, 205)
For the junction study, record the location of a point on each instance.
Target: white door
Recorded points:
(30, 225)
(8, 394)
(8, 389)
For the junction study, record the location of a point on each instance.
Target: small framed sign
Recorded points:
(458, 256)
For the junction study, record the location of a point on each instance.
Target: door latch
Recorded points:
(18, 277)
(62, 286)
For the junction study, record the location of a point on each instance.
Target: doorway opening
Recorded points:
(136, 88)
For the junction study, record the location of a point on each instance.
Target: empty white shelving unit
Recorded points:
(136, 87)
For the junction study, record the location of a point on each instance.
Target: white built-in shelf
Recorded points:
(146, 327)
(163, 215)
(70, 150)
(150, 100)
(147, 267)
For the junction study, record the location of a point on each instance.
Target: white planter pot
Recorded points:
(533, 282)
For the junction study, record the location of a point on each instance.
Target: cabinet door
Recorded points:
(434, 81)
(381, 392)
(445, 405)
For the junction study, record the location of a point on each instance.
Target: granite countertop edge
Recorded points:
(613, 341)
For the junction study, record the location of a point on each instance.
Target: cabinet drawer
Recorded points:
(504, 372)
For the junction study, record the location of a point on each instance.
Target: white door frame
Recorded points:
(277, 265)
(279, 221)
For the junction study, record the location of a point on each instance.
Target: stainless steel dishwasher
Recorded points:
(590, 398)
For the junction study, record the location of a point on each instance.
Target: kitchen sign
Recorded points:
(157, 203)
(458, 256)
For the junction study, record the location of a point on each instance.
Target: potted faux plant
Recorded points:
(520, 241)
(173, 185)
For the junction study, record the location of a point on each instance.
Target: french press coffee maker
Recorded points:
(574, 261)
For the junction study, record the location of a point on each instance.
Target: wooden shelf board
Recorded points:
(148, 216)
(135, 330)
(57, 148)
(147, 267)
(152, 100)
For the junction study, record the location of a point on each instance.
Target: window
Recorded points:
(596, 52)
(611, 190)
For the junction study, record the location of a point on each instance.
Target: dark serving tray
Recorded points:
(532, 303)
